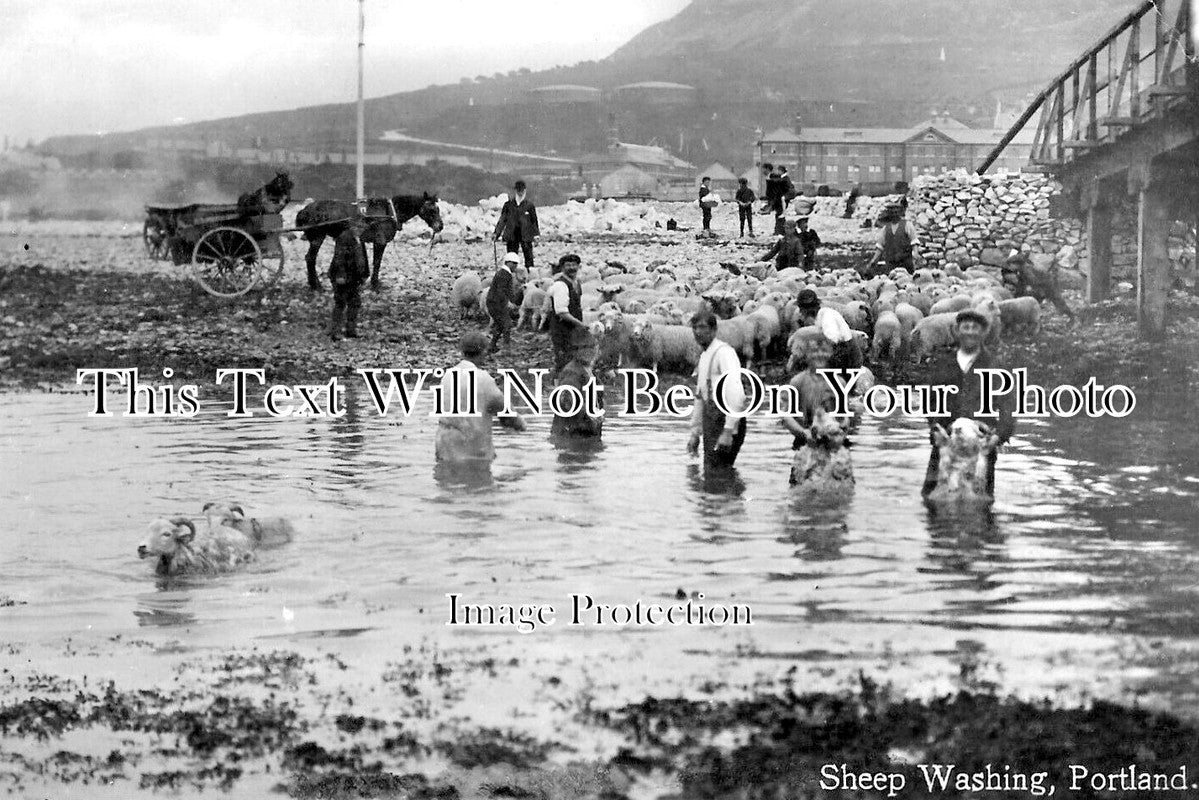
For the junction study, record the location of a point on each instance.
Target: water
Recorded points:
(1082, 582)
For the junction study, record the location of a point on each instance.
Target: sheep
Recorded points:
(766, 327)
(657, 345)
(1022, 312)
(533, 308)
(263, 531)
(956, 303)
(990, 309)
(909, 317)
(467, 293)
(963, 452)
(888, 340)
(918, 299)
(933, 333)
(738, 334)
(723, 304)
(179, 550)
(822, 468)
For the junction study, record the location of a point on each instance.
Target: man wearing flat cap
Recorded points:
(959, 368)
(577, 373)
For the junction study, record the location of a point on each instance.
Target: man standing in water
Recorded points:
(720, 435)
(465, 441)
(566, 309)
(959, 369)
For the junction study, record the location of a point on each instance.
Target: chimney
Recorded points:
(797, 125)
(613, 133)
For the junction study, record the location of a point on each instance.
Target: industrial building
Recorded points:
(843, 157)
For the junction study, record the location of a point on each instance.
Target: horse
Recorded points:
(270, 199)
(323, 218)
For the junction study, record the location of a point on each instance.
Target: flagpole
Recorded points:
(359, 180)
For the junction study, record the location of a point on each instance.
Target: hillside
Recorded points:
(755, 62)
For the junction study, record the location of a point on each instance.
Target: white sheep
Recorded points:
(933, 333)
(963, 452)
(263, 531)
(821, 469)
(738, 334)
(1021, 313)
(467, 293)
(954, 304)
(656, 345)
(180, 550)
(533, 308)
(888, 343)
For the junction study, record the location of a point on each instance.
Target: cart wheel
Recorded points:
(156, 239)
(225, 262)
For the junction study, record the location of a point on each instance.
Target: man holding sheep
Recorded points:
(960, 370)
(721, 435)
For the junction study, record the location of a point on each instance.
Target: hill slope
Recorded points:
(756, 63)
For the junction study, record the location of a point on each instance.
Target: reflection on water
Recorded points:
(1091, 531)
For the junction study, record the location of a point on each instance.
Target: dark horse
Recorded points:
(270, 199)
(328, 218)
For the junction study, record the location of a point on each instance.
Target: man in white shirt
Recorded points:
(721, 435)
(466, 440)
(846, 352)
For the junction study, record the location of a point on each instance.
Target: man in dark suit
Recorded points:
(518, 224)
(959, 368)
(502, 292)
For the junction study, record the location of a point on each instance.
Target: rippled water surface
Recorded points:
(1084, 580)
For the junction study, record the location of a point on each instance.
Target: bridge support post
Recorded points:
(1153, 258)
(1099, 243)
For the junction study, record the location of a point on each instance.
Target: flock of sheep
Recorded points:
(640, 313)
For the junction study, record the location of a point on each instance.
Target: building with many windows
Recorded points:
(842, 157)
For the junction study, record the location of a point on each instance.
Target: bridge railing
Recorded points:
(1145, 64)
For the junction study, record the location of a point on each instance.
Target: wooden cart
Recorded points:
(229, 252)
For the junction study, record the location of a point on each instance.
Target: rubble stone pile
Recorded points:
(969, 219)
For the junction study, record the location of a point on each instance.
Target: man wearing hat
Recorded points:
(577, 373)
(466, 440)
(503, 290)
(566, 309)
(795, 248)
(517, 225)
(895, 242)
(846, 352)
(960, 369)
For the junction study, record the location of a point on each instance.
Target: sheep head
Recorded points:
(165, 539)
(226, 513)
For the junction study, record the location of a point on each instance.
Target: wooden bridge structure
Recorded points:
(1123, 119)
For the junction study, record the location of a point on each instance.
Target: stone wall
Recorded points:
(971, 219)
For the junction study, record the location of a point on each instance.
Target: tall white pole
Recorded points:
(358, 175)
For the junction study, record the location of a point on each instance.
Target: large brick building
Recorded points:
(842, 157)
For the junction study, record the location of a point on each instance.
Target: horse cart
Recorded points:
(230, 251)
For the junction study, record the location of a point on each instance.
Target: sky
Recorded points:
(92, 66)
